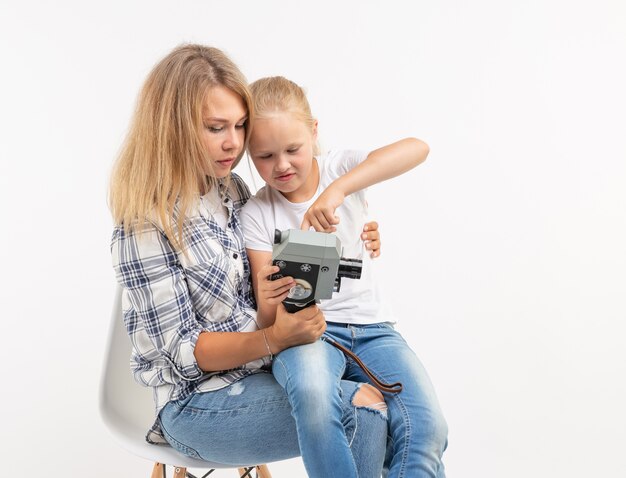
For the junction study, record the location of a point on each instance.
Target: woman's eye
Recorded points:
(240, 125)
(215, 129)
(293, 150)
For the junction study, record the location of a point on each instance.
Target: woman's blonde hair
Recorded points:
(163, 164)
(278, 94)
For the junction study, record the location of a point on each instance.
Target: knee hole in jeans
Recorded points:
(368, 396)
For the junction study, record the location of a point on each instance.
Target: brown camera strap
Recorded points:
(382, 386)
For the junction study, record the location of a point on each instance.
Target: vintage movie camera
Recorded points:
(314, 261)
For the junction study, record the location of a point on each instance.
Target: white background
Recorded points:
(505, 252)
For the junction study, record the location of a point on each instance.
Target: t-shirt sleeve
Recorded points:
(256, 233)
(342, 162)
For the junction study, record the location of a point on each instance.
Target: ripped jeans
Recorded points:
(250, 422)
(417, 428)
(311, 375)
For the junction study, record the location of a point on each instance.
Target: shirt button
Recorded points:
(235, 255)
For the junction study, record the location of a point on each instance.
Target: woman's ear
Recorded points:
(314, 130)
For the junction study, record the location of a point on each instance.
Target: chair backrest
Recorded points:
(127, 408)
(121, 398)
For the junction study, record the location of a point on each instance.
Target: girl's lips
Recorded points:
(285, 177)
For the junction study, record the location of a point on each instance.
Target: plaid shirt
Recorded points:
(169, 297)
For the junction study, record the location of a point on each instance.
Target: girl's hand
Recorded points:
(302, 327)
(272, 291)
(371, 238)
(321, 214)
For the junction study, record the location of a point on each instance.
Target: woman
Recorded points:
(179, 254)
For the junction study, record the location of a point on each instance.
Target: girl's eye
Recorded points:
(293, 150)
(264, 156)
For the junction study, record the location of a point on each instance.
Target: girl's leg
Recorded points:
(325, 416)
(418, 430)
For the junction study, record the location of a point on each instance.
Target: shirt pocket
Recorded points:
(212, 288)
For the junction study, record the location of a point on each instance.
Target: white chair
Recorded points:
(127, 409)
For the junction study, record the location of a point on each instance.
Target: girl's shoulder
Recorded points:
(339, 161)
(258, 204)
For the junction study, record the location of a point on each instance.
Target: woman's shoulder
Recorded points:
(138, 235)
(238, 189)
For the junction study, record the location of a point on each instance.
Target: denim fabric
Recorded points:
(417, 429)
(311, 375)
(251, 422)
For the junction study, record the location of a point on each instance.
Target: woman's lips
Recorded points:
(227, 162)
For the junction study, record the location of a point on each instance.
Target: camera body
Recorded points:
(314, 260)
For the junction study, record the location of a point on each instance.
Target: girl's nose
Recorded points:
(282, 164)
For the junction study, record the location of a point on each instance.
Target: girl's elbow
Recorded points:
(421, 150)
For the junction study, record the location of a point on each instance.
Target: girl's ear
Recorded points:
(315, 130)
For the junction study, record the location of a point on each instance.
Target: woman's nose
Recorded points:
(232, 141)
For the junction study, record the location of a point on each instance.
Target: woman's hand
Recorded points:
(303, 327)
(321, 214)
(272, 291)
(371, 238)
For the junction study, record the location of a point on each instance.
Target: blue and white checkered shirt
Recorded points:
(170, 296)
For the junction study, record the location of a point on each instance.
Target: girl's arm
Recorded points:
(268, 293)
(381, 164)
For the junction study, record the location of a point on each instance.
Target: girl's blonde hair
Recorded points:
(278, 94)
(163, 164)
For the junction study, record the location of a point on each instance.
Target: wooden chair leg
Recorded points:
(180, 472)
(158, 471)
(262, 471)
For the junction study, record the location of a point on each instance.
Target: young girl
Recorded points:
(326, 192)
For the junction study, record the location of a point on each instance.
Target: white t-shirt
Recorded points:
(358, 301)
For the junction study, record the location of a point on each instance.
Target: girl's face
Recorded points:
(281, 148)
(224, 116)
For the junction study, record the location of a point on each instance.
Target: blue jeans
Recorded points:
(417, 429)
(311, 375)
(250, 422)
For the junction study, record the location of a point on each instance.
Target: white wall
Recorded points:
(505, 249)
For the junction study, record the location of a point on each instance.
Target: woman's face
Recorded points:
(224, 116)
(281, 148)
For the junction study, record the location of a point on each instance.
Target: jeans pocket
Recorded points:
(384, 325)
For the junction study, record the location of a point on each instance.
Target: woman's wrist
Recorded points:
(273, 343)
(267, 343)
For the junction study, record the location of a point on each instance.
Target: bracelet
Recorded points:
(267, 345)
